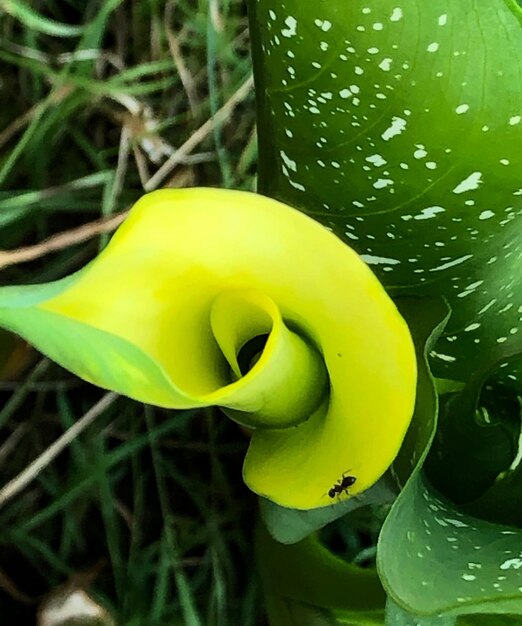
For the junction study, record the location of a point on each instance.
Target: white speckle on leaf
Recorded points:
(428, 213)
(397, 126)
(324, 25)
(511, 564)
(288, 161)
(376, 159)
(457, 523)
(291, 29)
(469, 183)
(297, 185)
(378, 260)
(462, 108)
(448, 359)
(452, 263)
(381, 183)
(474, 285)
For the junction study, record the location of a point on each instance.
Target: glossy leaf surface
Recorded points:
(395, 616)
(400, 126)
(447, 561)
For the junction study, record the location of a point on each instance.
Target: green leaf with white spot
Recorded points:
(444, 560)
(476, 453)
(488, 620)
(434, 558)
(399, 126)
(396, 616)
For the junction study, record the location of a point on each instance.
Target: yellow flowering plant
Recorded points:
(196, 277)
(394, 132)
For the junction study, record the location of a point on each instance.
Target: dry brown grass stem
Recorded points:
(177, 56)
(201, 133)
(61, 240)
(92, 229)
(19, 482)
(56, 96)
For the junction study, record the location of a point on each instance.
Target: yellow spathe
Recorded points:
(192, 275)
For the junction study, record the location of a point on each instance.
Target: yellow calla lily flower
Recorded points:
(215, 297)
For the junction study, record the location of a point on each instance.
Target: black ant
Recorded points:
(342, 486)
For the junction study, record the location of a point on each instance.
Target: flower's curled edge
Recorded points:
(196, 277)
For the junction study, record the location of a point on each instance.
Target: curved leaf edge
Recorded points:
(307, 572)
(426, 319)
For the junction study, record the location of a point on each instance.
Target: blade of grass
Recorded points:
(115, 187)
(18, 483)
(186, 148)
(28, 198)
(94, 31)
(186, 599)
(24, 141)
(160, 596)
(20, 394)
(212, 55)
(113, 459)
(34, 21)
(34, 548)
(111, 520)
(177, 55)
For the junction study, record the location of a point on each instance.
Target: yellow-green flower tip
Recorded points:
(214, 297)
